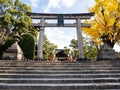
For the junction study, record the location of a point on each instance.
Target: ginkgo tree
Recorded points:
(106, 22)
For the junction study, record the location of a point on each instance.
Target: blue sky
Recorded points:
(61, 36)
(60, 6)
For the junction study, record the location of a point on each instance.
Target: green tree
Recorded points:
(67, 50)
(13, 18)
(90, 51)
(73, 44)
(7, 44)
(48, 48)
(27, 44)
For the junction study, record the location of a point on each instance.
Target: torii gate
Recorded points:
(60, 17)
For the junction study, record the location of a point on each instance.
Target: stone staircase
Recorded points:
(41, 75)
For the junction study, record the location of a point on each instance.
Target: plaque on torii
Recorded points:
(60, 23)
(60, 20)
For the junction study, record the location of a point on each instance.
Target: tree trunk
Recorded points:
(111, 43)
(3, 37)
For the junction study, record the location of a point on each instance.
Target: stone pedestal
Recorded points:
(107, 53)
(14, 52)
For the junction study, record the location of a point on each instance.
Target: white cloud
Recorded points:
(58, 4)
(34, 3)
(58, 37)
(68, 3)
(51, 4)
(117, 48)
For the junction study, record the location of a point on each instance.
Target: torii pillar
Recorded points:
(41, 40)
(80, 40)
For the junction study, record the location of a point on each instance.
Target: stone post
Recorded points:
(80, 40)
(41, 40)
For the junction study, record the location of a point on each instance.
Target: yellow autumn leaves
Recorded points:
(106, 20)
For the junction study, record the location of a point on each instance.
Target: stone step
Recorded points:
(39, 64)
(47, 61)
(59, 80)
(59, 71)
(31, 75)
(37, 75)
(26, 63)
(54, 86)
(57, 63)
(59, 68)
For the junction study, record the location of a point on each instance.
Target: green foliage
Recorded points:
(74, 44)
(48, 48)
(14, 15)
(34, 32)
(7, 44)
(13, 18)
(90, 51)
(75, 53)
(27, 44)
(67, 50)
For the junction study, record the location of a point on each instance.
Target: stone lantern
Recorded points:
(106, 52)
(14, 52)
